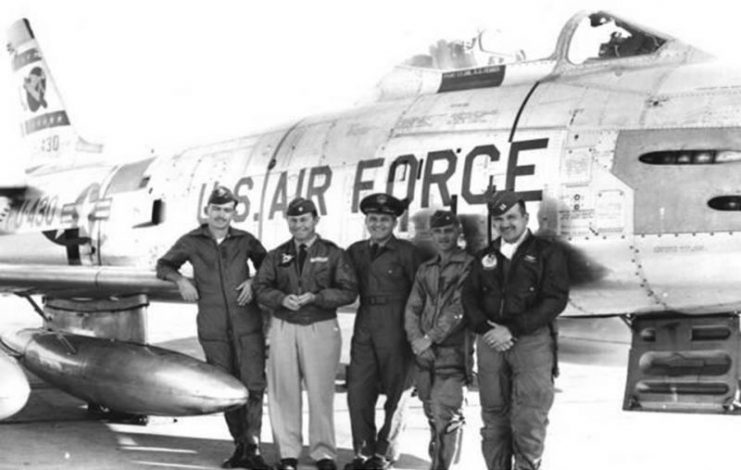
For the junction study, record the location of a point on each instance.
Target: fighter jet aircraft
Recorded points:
(623, 142)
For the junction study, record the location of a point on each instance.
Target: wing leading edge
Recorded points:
(84, 281)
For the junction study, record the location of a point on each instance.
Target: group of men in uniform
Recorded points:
(414, 327)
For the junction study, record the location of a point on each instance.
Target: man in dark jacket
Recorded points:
(435, 327)
(516, 289)
(303, 282)
(229, 322)
(380, 355)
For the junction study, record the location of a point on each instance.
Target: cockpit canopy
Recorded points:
(602, 36)
(587, 41)
(586, 38)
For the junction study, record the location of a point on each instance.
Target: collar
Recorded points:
(509, 249)
(308, 244)
(204, 231)
(458, 256)
(390, 243)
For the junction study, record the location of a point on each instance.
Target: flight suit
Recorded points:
(380, 355)
(304, 344)
(435, 310)
(525, 294)
(231, 335)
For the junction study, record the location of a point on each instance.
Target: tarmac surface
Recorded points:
(588, 428)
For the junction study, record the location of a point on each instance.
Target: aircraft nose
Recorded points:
(17, 341)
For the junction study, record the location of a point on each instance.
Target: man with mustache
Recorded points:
(229, 322)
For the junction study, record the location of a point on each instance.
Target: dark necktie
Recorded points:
(301, 257)
(374, 250)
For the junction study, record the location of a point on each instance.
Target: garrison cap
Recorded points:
(443, 218)
(221, 195)
(502, 201)
(381, 203)
(301, 206)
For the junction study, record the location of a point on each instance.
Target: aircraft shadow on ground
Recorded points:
(54, 430)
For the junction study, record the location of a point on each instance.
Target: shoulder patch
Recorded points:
(489, 261)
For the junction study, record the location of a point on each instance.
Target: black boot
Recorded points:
(252, 460)
(235, 460)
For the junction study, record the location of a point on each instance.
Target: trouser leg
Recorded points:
(423, 382)
(531, 360)
(222, 355)
(319, 354)
(396, 382)
(284, 388)
(494, 394)
(447, 409)
(362, 392)
(251, 354)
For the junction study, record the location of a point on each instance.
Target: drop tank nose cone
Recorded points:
(14, 388)
(17, 341)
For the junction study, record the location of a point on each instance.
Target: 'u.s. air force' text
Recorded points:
(436, 169)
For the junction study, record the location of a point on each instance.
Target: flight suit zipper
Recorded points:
(221, 283)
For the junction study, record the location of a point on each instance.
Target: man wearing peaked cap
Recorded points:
(516, 289)
(229, 326)
(380, 355)
(303, 282)
(435, 327)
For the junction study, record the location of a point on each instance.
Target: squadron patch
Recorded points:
(286, 259)
(489, 261)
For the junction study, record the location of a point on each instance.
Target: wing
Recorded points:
(84, 281)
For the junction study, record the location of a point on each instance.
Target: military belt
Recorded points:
(381, 299)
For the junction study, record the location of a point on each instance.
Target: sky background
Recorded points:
(163, 75)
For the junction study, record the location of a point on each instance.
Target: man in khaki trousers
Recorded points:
(304, 281)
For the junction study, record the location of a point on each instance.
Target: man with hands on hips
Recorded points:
(517, 287)
(229, 323)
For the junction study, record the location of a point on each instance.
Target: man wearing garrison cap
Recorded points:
(229, 321)
(303, 282)
(380, 355)
(442, 346)
(517, 287)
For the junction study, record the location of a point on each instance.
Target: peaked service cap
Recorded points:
(381, 203)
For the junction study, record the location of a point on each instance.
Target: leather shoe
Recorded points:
(356, 464)
(254, 461)
(287, 464)
(377, 463)
(326, 464)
